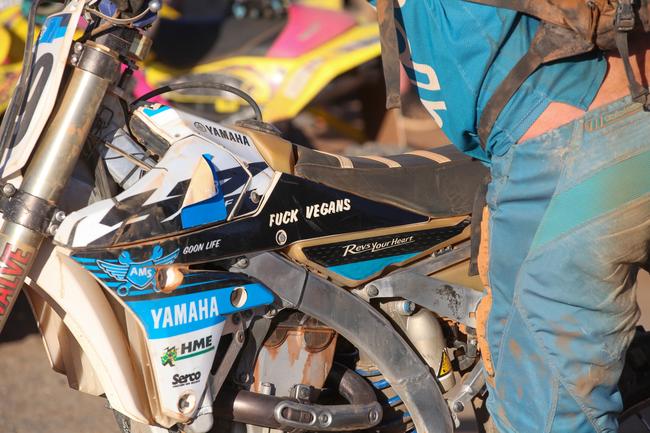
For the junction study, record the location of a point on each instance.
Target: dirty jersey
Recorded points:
(457, 53)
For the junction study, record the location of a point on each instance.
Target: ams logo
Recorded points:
(138, 275)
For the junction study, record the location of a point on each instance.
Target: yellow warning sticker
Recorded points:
(445, 365)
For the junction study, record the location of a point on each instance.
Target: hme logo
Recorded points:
(187, 350)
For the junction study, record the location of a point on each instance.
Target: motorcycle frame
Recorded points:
(65, 298)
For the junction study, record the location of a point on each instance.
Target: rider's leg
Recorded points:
(569, 224)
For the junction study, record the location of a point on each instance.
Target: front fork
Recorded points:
(30, 208)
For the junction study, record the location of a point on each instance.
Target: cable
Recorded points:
(119, 21)
(202, 85)
(18, 100)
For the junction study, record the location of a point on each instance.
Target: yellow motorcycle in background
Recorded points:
(316, 55)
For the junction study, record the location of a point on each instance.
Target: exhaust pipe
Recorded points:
(284, 413)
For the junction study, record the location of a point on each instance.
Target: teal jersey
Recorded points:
(457, 53)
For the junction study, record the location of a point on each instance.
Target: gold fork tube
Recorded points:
(57, 152)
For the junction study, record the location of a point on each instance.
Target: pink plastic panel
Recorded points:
(308, 28)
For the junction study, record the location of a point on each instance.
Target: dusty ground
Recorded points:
(37, 400)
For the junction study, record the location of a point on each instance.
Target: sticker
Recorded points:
(445, 365)
(283, 218)
(373, 247)
(328, 208)
(226, 134)
(312, 211)
(203, 246)
(15, 261)
(188, 349)
(168, 316)
(186, 379)
(138, 275)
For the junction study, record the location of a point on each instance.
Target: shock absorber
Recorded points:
(397, 418)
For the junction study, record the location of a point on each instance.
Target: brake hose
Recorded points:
(202, 85)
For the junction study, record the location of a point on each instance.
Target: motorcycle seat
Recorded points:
(440, 182)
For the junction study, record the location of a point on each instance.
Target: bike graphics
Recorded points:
(204, 276)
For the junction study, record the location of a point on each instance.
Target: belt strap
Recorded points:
(550, 43)
(389, 52)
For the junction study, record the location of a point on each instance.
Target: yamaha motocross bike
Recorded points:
(209, 277)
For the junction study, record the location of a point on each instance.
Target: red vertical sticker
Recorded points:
(13, 265)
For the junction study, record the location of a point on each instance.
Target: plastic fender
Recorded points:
(89, 317)
(283, 86)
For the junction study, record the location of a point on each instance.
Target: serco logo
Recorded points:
(186, 379)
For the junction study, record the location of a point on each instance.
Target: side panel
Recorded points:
(89, 317)
(355, 258)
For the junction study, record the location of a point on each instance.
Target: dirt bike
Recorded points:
(209, 277)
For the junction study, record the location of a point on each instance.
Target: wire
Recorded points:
(18, 100)
(119, 21)
(202, 85)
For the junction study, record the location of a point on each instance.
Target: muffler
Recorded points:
(285, 413)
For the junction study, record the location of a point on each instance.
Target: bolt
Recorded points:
(324, 419)
(458, 406)
(8, 190)
(408, 307)
(154, 5)
(59, 216)
(304, 393)
(255, 197)
(51, 230)
(240, 336)
(243, 377)
(242, 262)
(281, 237)
(372, 291)
(74, 59)
(267, 388)
(271, 312)
(186, 403)
(77, 47)
(373, 416)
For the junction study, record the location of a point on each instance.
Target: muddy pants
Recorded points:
(568, 229)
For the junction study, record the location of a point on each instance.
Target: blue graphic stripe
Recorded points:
(152, 112)
(603, 192)
(366, 373)
(208, 211)
(394, 401)
(169, 315)
(381, 384)
(89, 260)
(54, 28)
(363, 270)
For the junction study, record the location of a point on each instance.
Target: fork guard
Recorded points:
(364, 327)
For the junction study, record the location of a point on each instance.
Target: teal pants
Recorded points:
(569, 228)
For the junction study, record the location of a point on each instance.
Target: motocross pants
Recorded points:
(568, 228)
